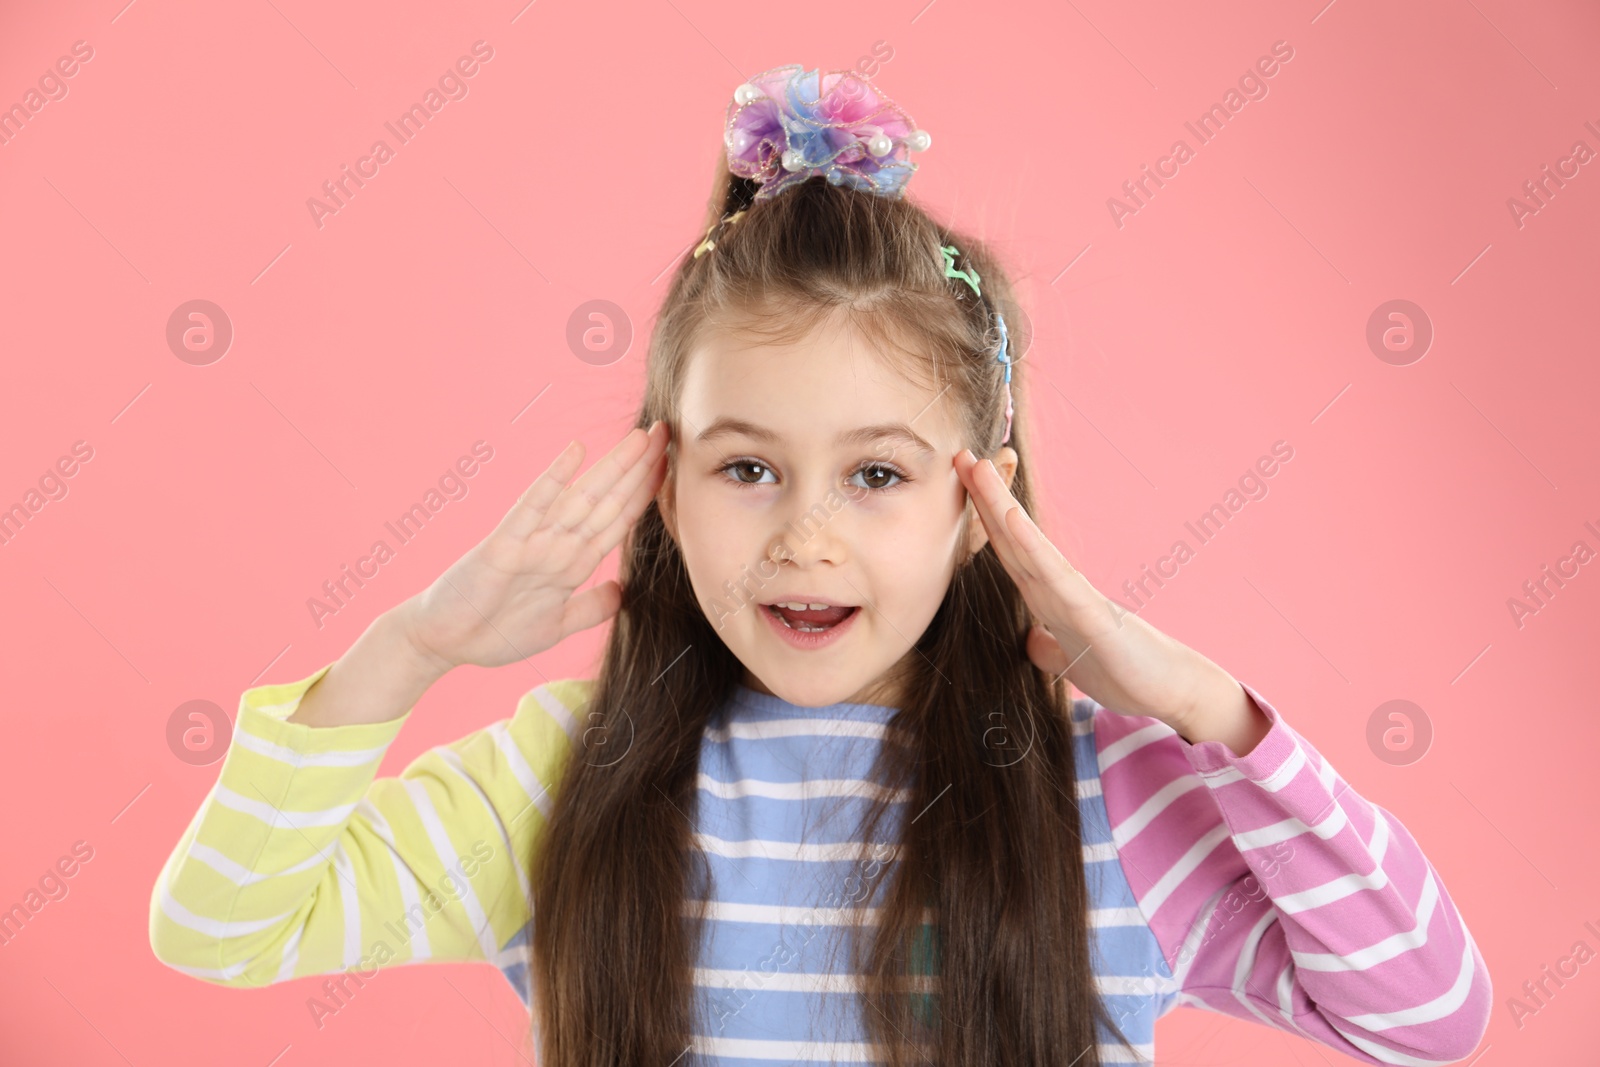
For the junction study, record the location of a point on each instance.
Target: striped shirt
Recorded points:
(1259, 886)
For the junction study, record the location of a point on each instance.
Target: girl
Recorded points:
(828, 797)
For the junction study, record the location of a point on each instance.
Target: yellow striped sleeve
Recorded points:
(301, 861)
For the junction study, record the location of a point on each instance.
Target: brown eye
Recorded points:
(877, 475)
(738, 465)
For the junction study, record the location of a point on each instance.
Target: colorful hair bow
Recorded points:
(789, 124)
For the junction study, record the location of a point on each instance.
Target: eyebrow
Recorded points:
(727, 426)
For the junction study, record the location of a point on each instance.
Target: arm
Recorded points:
(300, 861)
(1280, 895)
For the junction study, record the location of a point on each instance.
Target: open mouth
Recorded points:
(809, 618)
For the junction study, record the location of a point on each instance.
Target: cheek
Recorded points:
(913, 554)
(715, 533)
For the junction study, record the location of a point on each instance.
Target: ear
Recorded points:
(667, 504)
(1005, 461)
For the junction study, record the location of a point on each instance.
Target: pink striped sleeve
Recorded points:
(1279, 895)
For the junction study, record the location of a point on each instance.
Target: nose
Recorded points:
(812, 533)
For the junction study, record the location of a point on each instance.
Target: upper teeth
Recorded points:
(796, 606)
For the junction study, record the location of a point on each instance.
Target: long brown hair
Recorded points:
(995, 864)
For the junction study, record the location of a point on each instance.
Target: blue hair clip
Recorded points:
(1004, 356)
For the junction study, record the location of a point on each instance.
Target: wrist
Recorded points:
(1222, 711)
(397, 630)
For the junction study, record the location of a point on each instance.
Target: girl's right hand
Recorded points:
(511, 596)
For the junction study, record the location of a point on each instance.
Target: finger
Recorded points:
(591, 607)
(1038, 557)
(1039, 552)
(525, 514)
(582, 496)
(993, 500)
(620, 495)
(635, 506)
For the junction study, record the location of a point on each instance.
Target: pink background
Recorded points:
(1229, 313)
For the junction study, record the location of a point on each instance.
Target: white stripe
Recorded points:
(273, 816)
(781, 914)
(1272, 783)
(452, 758)
(1328, 892)
(1440, 1007)
(1246, 995)
(1381, 951)
(291, 955)
(770, 729)
(1185, 865)
(813, 788)
(1116, 917)
(214, 928)
(785, 914)
(814, 1051)
(350, 903)
(1244, 966)
(1286, 987)
(557, 711)
(1099, 853)
(353, 758)
(507, 957)
(536, 792)
(807, 789)
(409, 898)
(1134, 985)
(226, 974)
(1328, 776)
(1151, 809)
(1379, 845)
(447, 854)
(1291, 828)
(794, 851)
(240, 875)
(792, 982)
(1198, 935)
(798, 852)
(1124, 747)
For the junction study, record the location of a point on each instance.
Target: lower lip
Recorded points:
(813, 639)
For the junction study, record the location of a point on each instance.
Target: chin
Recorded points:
(807, 690)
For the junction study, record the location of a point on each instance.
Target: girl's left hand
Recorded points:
(1108, 652)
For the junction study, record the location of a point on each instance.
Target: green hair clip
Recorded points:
(970, 275)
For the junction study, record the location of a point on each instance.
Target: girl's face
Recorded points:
(817, 472)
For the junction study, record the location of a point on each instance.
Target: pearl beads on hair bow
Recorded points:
(789, 124)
